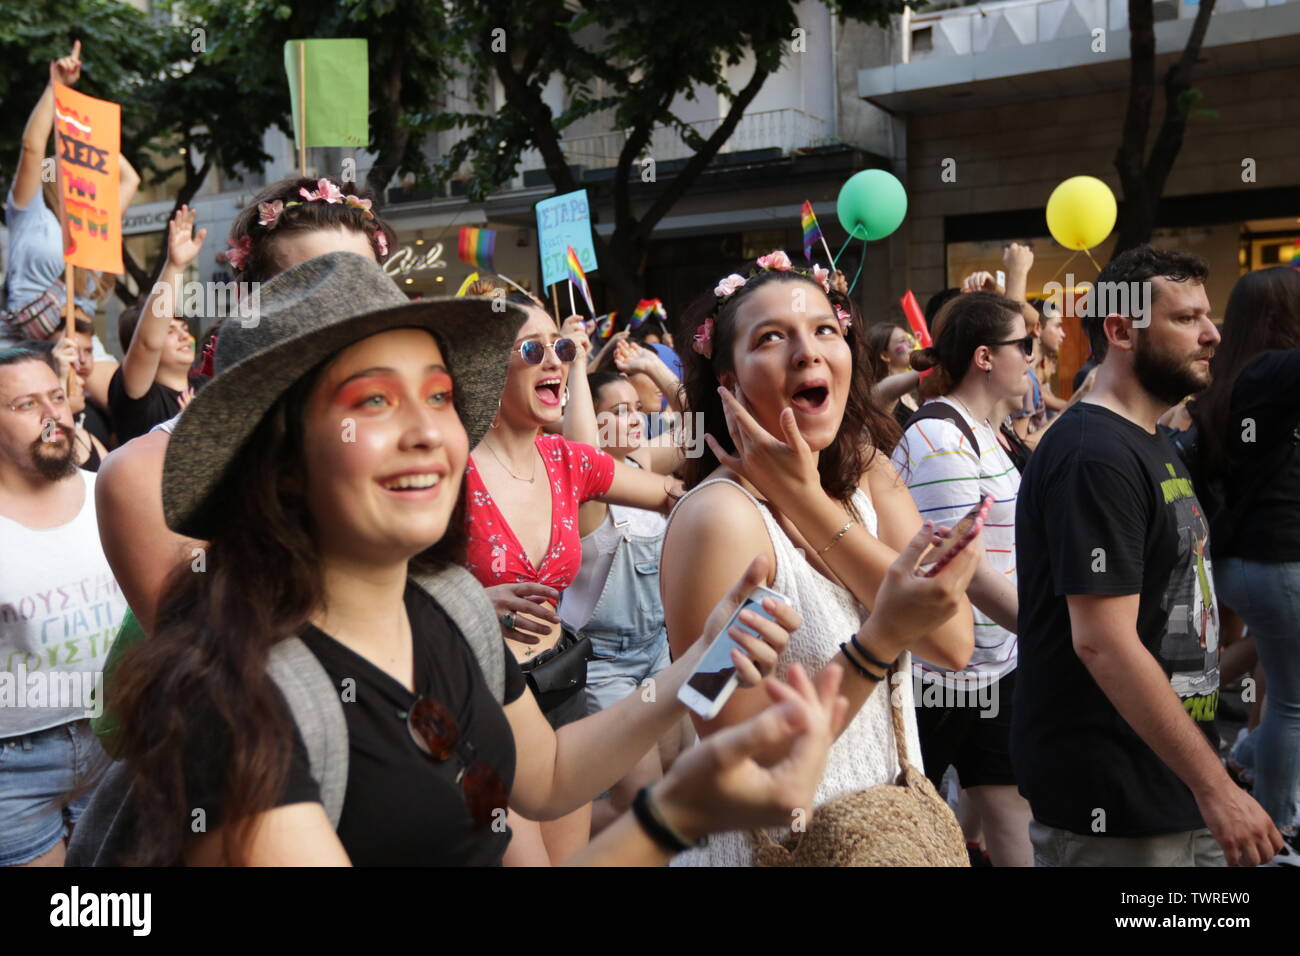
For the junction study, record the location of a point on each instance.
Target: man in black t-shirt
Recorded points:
(1117, 689)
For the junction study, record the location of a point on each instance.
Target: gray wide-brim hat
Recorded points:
(306, 315)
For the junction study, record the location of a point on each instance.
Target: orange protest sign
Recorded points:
(87, 137)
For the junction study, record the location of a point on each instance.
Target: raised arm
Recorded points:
(140, 365)
(36, 134)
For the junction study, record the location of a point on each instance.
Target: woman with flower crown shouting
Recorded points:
(779, 370)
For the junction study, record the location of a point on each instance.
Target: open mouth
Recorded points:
(811, 399)
(411, 483)
(548, 391)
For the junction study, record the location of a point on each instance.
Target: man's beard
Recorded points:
(54, 460)
(1168, 378)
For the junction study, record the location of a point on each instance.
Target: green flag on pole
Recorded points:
(337, 88)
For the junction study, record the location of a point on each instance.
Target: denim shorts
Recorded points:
(622, 664)
(37, 771)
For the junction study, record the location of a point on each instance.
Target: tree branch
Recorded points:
(1131, 155)
(703, 156)
(1178, 81)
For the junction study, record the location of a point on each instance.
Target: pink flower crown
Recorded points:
(269, 213)
(776, 261)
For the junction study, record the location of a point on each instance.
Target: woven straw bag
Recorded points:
(905, 823)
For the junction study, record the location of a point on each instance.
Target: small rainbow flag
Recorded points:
(477, 246)
(605, 326)
(579, 278)
(645, 309)
(812, 233)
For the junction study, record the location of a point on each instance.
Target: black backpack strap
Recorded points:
(949, 414)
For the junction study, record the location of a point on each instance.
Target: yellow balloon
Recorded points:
(1081, 212)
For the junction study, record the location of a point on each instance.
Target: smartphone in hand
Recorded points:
(961, 534)
(714, 679)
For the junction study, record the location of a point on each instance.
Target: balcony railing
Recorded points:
(985, 27)
(787, 130)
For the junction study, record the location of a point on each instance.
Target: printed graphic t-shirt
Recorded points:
(60, 608)
(1107, 508)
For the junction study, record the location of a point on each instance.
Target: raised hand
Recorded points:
(67, 69)
(183, 243)
(779, 469)
(909, 606)
(575, 327)
(1017, 258)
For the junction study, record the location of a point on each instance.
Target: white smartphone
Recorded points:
(714, 679)
(1002, 279)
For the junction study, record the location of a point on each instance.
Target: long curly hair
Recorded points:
(261, 263)
(865, 429)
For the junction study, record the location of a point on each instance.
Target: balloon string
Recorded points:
(1064, 265)
(1088, 253)
(861, 263)
(836, 260)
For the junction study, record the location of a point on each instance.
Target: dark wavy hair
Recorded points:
(964, 324)
(864, 430)
(304, 217)
(1263, 313)
(211, 642)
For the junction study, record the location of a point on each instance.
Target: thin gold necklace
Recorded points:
(954, 397)
(530, 479)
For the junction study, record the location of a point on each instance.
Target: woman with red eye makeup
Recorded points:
(333, 688)
(523, 491)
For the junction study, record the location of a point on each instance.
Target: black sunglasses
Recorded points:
(435, 731)
(566, 350)
(1026, 344)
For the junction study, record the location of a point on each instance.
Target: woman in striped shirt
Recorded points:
(951, 459)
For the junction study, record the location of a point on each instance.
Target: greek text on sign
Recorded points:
(564, 221)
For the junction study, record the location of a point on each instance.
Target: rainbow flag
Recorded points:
(812, 233)
(605, 326)
(477, 246)
(579, 278)
(645, 309)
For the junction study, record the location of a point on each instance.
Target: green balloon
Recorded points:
(871, 204)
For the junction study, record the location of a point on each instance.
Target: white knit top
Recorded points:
(865, 755)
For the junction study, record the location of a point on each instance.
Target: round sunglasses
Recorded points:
(435, 731)
(566, 350)
(1026, 344)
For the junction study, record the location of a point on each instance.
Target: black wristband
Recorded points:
(655, 828)
(870, 657)
(866, 674)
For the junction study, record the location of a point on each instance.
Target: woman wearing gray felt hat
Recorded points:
(327, 684)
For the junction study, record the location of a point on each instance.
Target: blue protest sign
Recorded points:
(564, 221)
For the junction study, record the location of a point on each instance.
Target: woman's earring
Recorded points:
(497, 415)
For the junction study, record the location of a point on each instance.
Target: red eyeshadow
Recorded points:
(360, 389)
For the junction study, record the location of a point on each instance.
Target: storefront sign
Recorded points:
(408, 259)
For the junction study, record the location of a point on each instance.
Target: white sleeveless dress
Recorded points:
(865, 755)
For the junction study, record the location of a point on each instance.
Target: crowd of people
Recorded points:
(374, 581)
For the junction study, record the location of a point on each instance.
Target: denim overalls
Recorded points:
(626, 628)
